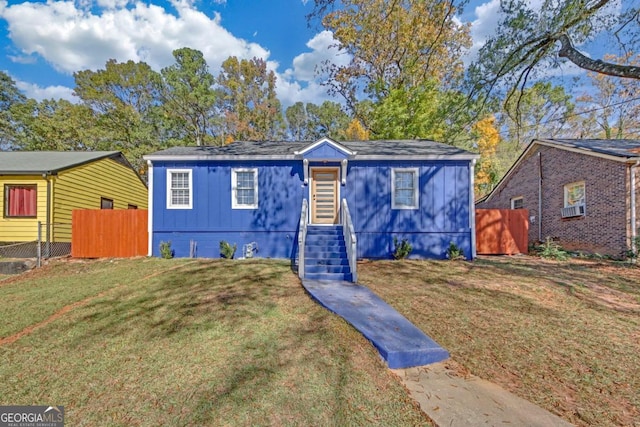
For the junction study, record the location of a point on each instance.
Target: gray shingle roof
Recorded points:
(37, 162)
(614, 147)
(275, 149)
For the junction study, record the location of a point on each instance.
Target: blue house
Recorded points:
(323, 204)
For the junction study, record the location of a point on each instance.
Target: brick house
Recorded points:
(583, 193)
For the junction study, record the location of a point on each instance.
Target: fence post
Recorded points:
(39, 247)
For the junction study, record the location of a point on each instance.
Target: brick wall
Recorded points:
(604, 228)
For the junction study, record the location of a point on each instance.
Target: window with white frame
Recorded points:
(244, 188)
(179, 189)
(517, 203)
(574, 194)
(404, 188)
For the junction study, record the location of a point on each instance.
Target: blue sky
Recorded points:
(44, 42)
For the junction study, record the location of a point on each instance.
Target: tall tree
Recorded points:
(327, 119)
(612, 106)
(10, 96)
(188, 96)
(248, 100)
(58, 125)
(531, 37)
(395, 45)
(125, 98)
(541, 111)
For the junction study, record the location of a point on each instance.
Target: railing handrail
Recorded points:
(302, 236)
(350, 239)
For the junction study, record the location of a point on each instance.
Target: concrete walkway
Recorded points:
(448, 397)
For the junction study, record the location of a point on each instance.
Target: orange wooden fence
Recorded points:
(109, 233)
(502, 231)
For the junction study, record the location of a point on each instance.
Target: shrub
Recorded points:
(227, 250)
(454, 253)
(551, 250)
(165, 250)
(402, 249)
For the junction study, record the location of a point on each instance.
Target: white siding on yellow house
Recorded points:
(82, 188)
(22, 229)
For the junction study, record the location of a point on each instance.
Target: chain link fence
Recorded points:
(53, 240)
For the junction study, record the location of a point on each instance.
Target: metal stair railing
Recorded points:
(350, 240)
(302, 236)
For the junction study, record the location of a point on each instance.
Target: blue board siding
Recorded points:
(443, 216)
(324, 151)
(273, 225)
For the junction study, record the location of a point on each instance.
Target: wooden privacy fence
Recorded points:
(109, 233)
(502, 231)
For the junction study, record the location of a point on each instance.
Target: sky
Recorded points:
(45, 42)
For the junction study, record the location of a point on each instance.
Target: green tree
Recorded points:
(57, 125)
(297, 122)
(188, 97)
(327, 119)
(541, 111)
(125, 99)
(10, 97)
(248, 102)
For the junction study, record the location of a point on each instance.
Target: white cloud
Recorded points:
(72, 38)
(487, 18)
(303, 81)
(39, 93)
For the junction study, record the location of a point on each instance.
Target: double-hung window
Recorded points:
(20, 201)
(244, 188)
(404, 188)
(179, 189)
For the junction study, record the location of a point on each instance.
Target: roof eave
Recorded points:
(200, 157)
(583, 150)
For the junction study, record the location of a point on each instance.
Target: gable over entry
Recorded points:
(325, 164)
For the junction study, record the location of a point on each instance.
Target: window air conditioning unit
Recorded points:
(575, 210)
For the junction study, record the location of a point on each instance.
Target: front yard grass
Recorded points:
(215, 342)
(183, 342)
(564, 335)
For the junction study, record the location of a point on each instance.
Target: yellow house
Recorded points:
(45, 186)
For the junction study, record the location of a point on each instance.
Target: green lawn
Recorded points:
(564, 335)
(183, 342)
(214, 342)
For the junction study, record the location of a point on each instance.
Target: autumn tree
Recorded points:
(612, 106)
(487, 139)
(531, 38)
(394, 46)
(247, 100)
(188, 96)
(356, 131)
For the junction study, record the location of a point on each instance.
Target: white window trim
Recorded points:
(169, 198)
(514, 199)
(566, 193)
(416, 190)
(234, 185)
